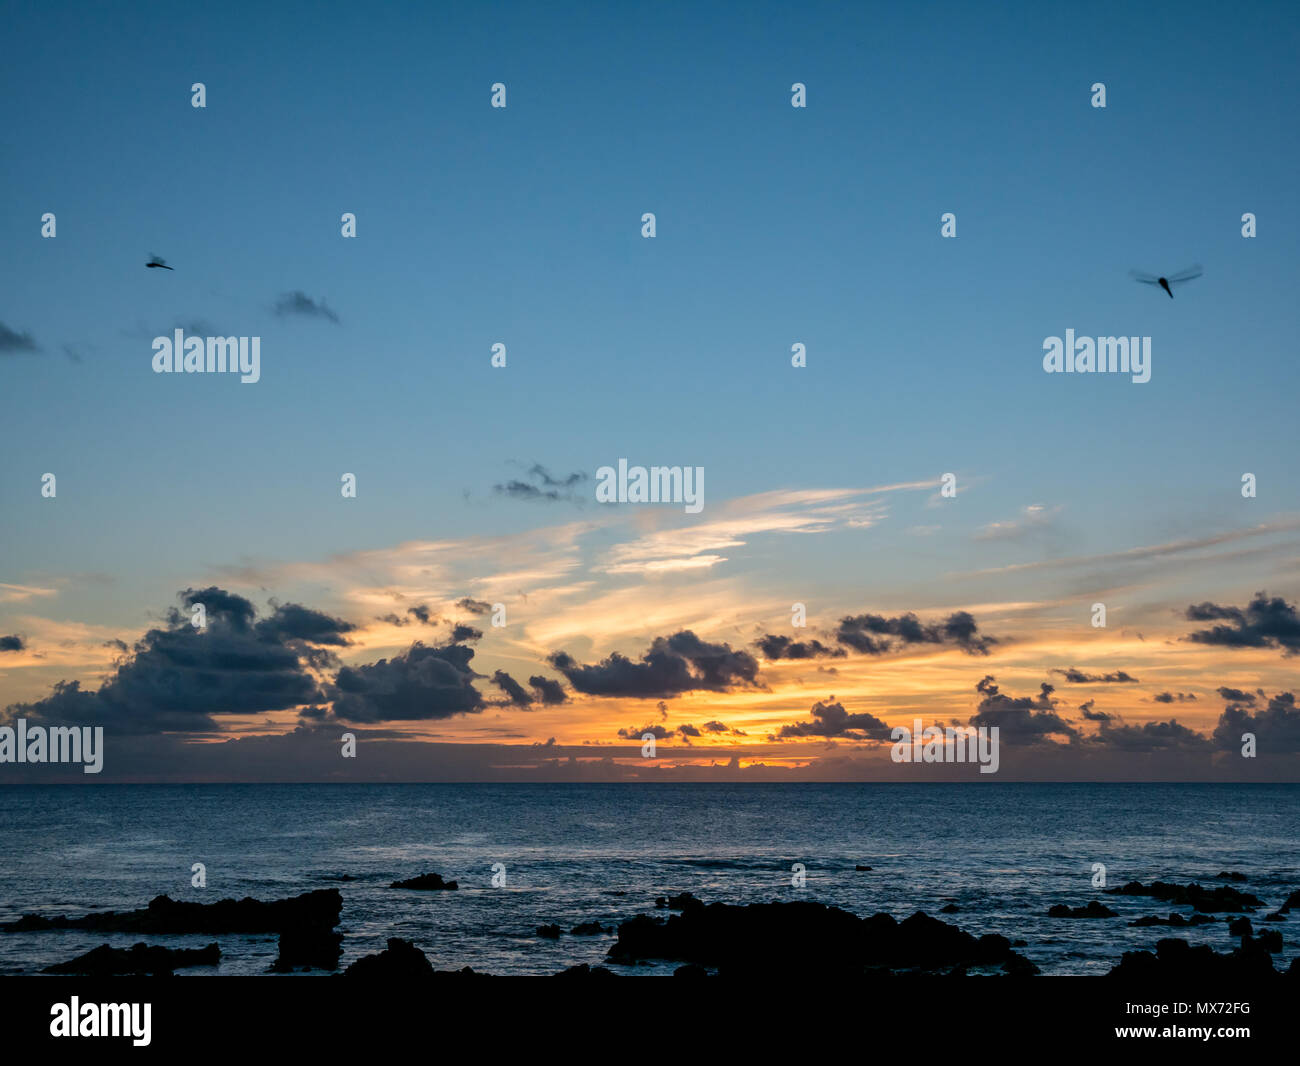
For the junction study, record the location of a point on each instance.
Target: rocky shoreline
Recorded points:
(722, 939)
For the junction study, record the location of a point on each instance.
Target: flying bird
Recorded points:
(154, 261)
(1165, 282)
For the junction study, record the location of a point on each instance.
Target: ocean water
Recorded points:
(1002, 853)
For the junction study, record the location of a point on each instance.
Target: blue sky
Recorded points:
(775, 225)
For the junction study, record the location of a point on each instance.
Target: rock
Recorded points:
(584, 970)
(861, 868)
(1292, 900)
(550, 932)
(400, 961)
(105, 961)
(949, 908)
(1240, 927)
(1269, 939)
(1019, 943)
(166, 915)
(1178, 960)
(762, 938)
(1276, 916)
(1220, 898)
(1178, 921)
(427, 883)
(587, 929)
(337, 877)
(690, 970)
(1231, 875)
(308, 947)
(1092, 909)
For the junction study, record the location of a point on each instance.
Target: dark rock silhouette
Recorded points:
(1178, 921)
(1178, 960)
(1292, 901)
(949, 908)
(584, 970)
(1268, 939)
(1231, 875)
(1209, 900)
(400, 961)
(308, 947)
(587, 929)
(1240, 927)
(861, 868)
(427, 883)
(550, 932)
(1092, 909)
(690, 970)
(763, 938)
(166, 915)
(106, 961)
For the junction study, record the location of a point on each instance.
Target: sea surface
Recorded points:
(1003, 853)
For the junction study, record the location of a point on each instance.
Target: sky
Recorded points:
(476, 484)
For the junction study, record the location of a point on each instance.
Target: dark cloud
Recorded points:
(688, 730)
(776, 647)
(874, 634)
(299, 303)
(548, 691)
(1093, 715)
(420, 684)
(461, 633)
(1236, 695)
(673, 665)
(1174, 697)
(474, 606)
(1150, 736)
(1263, 623)
(1077, 677)
(540, 484)
(12, 643)
(1276, 727)
(178, 677)
(515, 692)
(659, 732)
(830, 719)
(1020, 719)
(12, 342)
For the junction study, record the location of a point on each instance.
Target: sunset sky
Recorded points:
(475, 484)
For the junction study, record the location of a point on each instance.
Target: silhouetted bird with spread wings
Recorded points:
(154, 262)
(1165, 282)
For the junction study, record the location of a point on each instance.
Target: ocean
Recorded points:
(1002, 853)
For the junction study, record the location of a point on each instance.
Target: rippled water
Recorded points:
(1003, 853)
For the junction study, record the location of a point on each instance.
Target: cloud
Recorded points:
(516, 694)
(830, 719)
(1020, 719)
(874, 634)
(1175, 697)
(672, 665)
(1032, 519)
(299, 303)
(1077, 677)
(12, 342)
(659, 732)
(1276, 727)
(776, 647)
(542, 485)
(1262, 623)
(1150, 736)
(548, 691)
(12, 643)
(1235, 695)
(179, 677)
(1093, 715)
(423, 683)
(474, 606)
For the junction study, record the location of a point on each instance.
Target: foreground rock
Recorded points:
(1221, 898)
(1092, 909)
(427, 883)
(584, 970)
(166, 915)
(308, 947)
(105, 961)
(401, 961)
(1177, 959)
(770, 937)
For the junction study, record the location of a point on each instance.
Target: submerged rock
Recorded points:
(1092, 909)
(400, 961)
(106, 961)
(1231, 875)
(683, 901)
(860, 869)
(765, 937)
(587, 929)
(1178, 921)
(949, 908)
(550, 932)
(166, 915)
(427, 883)
(584, 970)
(1219, 898)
